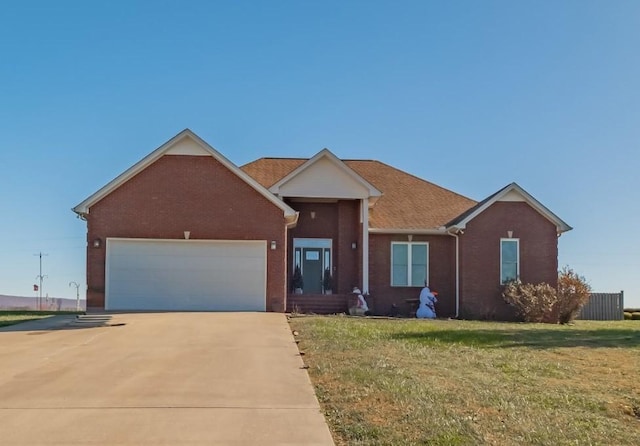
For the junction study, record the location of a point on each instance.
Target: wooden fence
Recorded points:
(604, 307)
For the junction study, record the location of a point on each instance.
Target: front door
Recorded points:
(312, 270)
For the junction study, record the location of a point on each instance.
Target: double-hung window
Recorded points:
(509, 259)
(409, 263)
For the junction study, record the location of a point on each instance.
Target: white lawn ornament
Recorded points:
(427, 309)
(361, 304)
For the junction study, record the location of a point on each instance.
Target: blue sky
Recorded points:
(469, 95)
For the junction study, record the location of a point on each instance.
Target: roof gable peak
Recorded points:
(343, 182)
(511, 192)
(199, 148)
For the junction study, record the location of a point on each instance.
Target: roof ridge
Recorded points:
(282, 158)
(298, 158)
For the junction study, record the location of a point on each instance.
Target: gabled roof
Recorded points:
(339, 168)
(83, 208)
(408, 203)
(461, 221)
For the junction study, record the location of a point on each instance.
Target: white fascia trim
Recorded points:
(373, 192)
(441, 231)
(83, 208)
(543, 210)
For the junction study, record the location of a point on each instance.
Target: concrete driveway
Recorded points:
(158, 379)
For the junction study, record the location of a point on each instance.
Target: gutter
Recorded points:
(291, 220)
(439, 231)
(80, 214)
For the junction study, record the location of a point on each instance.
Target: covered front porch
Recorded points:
(325, 255)
(326, 248)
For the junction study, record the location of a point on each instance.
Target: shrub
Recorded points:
(327, 281)
(296, 280)
(533, 302)
(573, 293)
(542, 303)
(627, 316)
(635, 316)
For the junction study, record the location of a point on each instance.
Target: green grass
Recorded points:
(388, 382)
(15, 317)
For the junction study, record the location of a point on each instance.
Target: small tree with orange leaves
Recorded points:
(573, 293)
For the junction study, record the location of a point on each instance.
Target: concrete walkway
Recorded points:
(157, 379)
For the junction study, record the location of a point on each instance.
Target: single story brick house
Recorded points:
(185, 229)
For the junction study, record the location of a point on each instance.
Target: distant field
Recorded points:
(410, 382)
(31, 303)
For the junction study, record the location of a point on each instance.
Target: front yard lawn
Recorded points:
(15, 317)
(410, 382)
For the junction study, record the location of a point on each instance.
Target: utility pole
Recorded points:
(41, 278)
(77, 285)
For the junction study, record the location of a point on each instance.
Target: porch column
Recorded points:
(365, 245)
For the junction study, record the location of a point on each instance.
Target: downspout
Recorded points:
(365, 246)
(457, 273)
(291, 222)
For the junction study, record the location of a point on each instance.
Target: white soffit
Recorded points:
(324, 176)
(187, 146)
(512, 195)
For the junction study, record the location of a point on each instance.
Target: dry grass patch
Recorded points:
(467, 383)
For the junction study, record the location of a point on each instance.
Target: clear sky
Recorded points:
(471, 95)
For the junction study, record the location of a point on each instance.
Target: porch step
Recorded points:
(318, 303)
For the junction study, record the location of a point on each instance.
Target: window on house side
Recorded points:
(509, 259)
(409, 263)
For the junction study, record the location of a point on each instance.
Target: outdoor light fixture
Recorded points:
(187, 234)
(97, 243)
(354, 245)
(510, 234)
(313, 215)
(273, 245)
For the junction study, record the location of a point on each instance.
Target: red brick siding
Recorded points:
(337, 221)
(441, 273)
(349, 261)
(187, 193)
(480, 256)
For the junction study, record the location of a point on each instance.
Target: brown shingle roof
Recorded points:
(268, 171)
(408, 202)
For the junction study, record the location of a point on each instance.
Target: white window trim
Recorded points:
(517, 240)
(409, 244)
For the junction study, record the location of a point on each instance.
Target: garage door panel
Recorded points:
(186, 275)
(218, 267)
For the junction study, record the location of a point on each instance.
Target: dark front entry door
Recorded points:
(312, 270)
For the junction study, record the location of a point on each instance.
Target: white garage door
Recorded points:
(189, 275)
